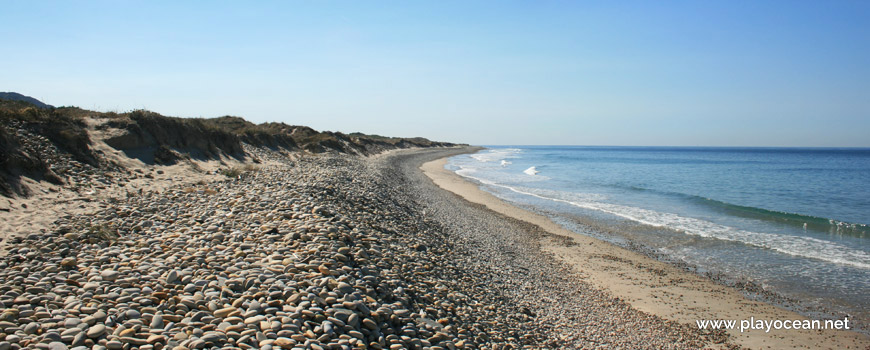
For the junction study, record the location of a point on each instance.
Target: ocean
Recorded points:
(792, 221)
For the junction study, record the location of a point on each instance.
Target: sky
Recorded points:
(656, 73)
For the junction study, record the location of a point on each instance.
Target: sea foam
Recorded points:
(806, 247)
(496, 155)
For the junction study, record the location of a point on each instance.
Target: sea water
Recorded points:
(794, 221)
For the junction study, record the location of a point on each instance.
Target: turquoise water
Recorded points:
(794, 221)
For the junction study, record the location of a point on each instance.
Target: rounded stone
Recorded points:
(157, 321)
(109, 275)
(96, 331)
(31, 328)
(133, 314)
(57, 346)
(172, 277)
(222, 313)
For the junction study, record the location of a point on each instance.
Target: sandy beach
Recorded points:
(326, 251)
(435, 175)
(649, 285)
(338, 252)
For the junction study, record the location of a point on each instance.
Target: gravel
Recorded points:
(321, 252)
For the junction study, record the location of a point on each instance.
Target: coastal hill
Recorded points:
(14, 96)
(44, 143)
(152, 232)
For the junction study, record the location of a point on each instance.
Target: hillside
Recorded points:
(14, 96)
(44, 143)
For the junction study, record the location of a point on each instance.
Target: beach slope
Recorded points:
(341, 251)
(647, 285)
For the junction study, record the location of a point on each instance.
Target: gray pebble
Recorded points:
(57, 346)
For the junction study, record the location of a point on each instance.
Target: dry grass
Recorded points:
(207, 191)
(238, 171)
(100, 233)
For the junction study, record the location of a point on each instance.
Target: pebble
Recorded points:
(69, 262)
(308, 252)
(222, 313)
(344, 288)
(96, 331)
(157, 321)
(57, 346)
(31, 328)
(155, 338)
(172, 277)
(109, 275)
(133, 314)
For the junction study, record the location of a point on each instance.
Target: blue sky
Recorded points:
(715, 73)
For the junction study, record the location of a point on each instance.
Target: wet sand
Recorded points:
(652, 286)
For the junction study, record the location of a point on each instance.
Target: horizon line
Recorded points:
(675, 146)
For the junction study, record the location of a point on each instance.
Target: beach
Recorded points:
(649, 285)
(434, 175)
(337, 251)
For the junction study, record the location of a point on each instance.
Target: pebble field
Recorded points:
(319, 252)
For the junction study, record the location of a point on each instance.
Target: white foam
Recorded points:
(806, 247)
(531, 171)
(494, 155)
(505, 163)
(466, 171)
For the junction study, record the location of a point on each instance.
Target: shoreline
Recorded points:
(321, 251)
(650, 285)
